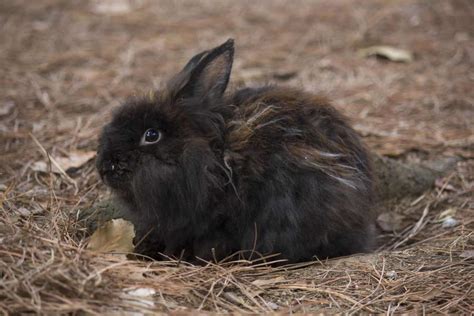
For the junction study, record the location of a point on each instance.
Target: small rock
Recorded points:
(449, 222)
(392, 275)
(6, 107)
(23, 212)
(273, 305)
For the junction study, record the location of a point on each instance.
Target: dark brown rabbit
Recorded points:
(264, 170)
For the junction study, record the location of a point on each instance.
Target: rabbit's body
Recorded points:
(266, 170)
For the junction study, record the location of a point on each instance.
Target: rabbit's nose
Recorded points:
(114, 167)
(109, 167)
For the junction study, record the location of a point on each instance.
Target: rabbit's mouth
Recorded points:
(115, 175)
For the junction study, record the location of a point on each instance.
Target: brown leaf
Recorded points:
(111, 7)
(285, 75)
(248, 74)
(76, 159)
(467, 254)
(142, 297)
(114, 236)
(447, 219)
(450, 212)
(428, 295)
(262, 282)
(388, 52)
(442, 184)
(6, 107)
(390, 221)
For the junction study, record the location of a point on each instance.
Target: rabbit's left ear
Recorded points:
(206, 74)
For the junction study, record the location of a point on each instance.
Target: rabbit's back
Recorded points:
(302, 175)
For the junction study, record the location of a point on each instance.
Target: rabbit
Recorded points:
(206, 174)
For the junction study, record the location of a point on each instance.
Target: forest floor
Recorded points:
(64, 65)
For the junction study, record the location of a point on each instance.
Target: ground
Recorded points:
(65, 65)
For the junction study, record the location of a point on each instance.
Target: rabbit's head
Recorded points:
(153, 140)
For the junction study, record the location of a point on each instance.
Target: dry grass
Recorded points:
(64, 66)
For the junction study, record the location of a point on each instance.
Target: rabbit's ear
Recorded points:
(206, 74)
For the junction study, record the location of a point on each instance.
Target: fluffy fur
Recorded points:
(257, 171)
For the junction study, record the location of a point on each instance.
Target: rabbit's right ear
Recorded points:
(206, 74)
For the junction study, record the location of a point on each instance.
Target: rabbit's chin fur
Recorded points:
(251, 173)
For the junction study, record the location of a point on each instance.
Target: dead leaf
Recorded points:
(111, 7)
(449, 212)
(22, 211)
(441, 184)
(261, 282)
(231, 296)
(428, 295)
(446, 218)
(249, 74)
(142, 292)
(114, 236)
(390, 221)
(76, 159)
(6, 107)
(467, 254)
(142, 297)
(387, 52)
(87, 74)
(284, 75)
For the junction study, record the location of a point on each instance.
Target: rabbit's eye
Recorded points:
(150, 136)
